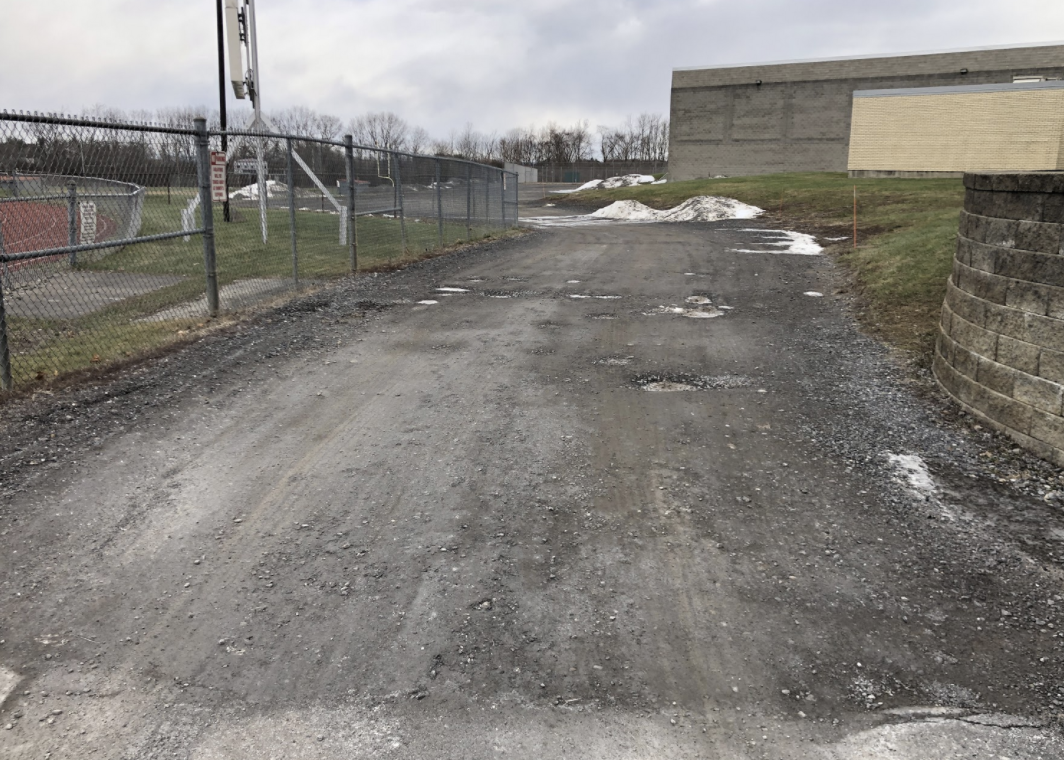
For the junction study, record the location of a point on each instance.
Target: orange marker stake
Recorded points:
(855, 217)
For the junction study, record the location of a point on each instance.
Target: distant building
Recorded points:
(795, 117)
(525, 174)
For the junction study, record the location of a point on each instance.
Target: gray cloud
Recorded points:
(443, 64)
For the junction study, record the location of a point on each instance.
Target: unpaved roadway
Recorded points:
(363, 527)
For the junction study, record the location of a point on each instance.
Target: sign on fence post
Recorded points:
(246, 166)
(88, 221)
(217, 176)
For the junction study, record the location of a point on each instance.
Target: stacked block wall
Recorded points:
(1000, 351)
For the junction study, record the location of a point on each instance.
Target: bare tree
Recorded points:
(382, 130)
(419, 141)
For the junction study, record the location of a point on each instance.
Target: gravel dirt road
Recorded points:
(541, 517)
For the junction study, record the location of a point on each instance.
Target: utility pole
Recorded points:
(221, 106)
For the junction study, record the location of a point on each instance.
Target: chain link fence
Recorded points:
(119, 238)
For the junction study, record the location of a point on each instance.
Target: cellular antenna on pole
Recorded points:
(243, 42)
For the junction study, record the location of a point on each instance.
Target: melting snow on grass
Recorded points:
(274, 189)
(912, 470)
(783, 241)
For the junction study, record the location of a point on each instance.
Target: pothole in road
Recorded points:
(657, 382)
(615, 361)
(486, 604)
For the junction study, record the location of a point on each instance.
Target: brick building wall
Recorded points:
(798, 118)
(1006, 127)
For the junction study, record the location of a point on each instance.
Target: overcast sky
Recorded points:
(443, 63)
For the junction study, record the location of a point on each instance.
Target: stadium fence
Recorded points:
(116, 238)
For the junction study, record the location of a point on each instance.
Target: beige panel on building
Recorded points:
(1011, 127)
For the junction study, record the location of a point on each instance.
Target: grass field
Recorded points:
(43, 349)
(906, 236)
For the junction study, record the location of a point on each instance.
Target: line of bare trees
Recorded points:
(644, 138)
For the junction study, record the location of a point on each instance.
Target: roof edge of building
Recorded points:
(865, 65)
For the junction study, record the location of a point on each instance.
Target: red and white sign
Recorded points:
(217, 175)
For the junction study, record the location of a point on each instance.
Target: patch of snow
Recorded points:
(813, 294)
(784, 241)
(572, 282)
(914, 471)
(428, 302)
(697, 313)
(661, 181)
(698, 300)
(274, 189)
(452, 290)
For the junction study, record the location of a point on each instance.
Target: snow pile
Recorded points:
(612, 183)
(274, 189)
(628, 211)
(703, 208)
(627, 180)
(783, 241)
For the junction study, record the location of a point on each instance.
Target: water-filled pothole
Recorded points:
(664, 382)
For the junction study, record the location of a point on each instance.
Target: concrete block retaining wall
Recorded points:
(1000, 351)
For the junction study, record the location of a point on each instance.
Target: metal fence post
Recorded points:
(487, 199)
(439, 206)
(469, 202)
(352, 234)
(72, 220)
(6, 382)
(502, 184)
(203, 166)
(402, 213)
(292, 211)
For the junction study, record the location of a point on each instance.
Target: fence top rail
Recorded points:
(342, 144)
(72, 121)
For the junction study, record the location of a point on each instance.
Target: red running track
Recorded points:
(27, 226)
